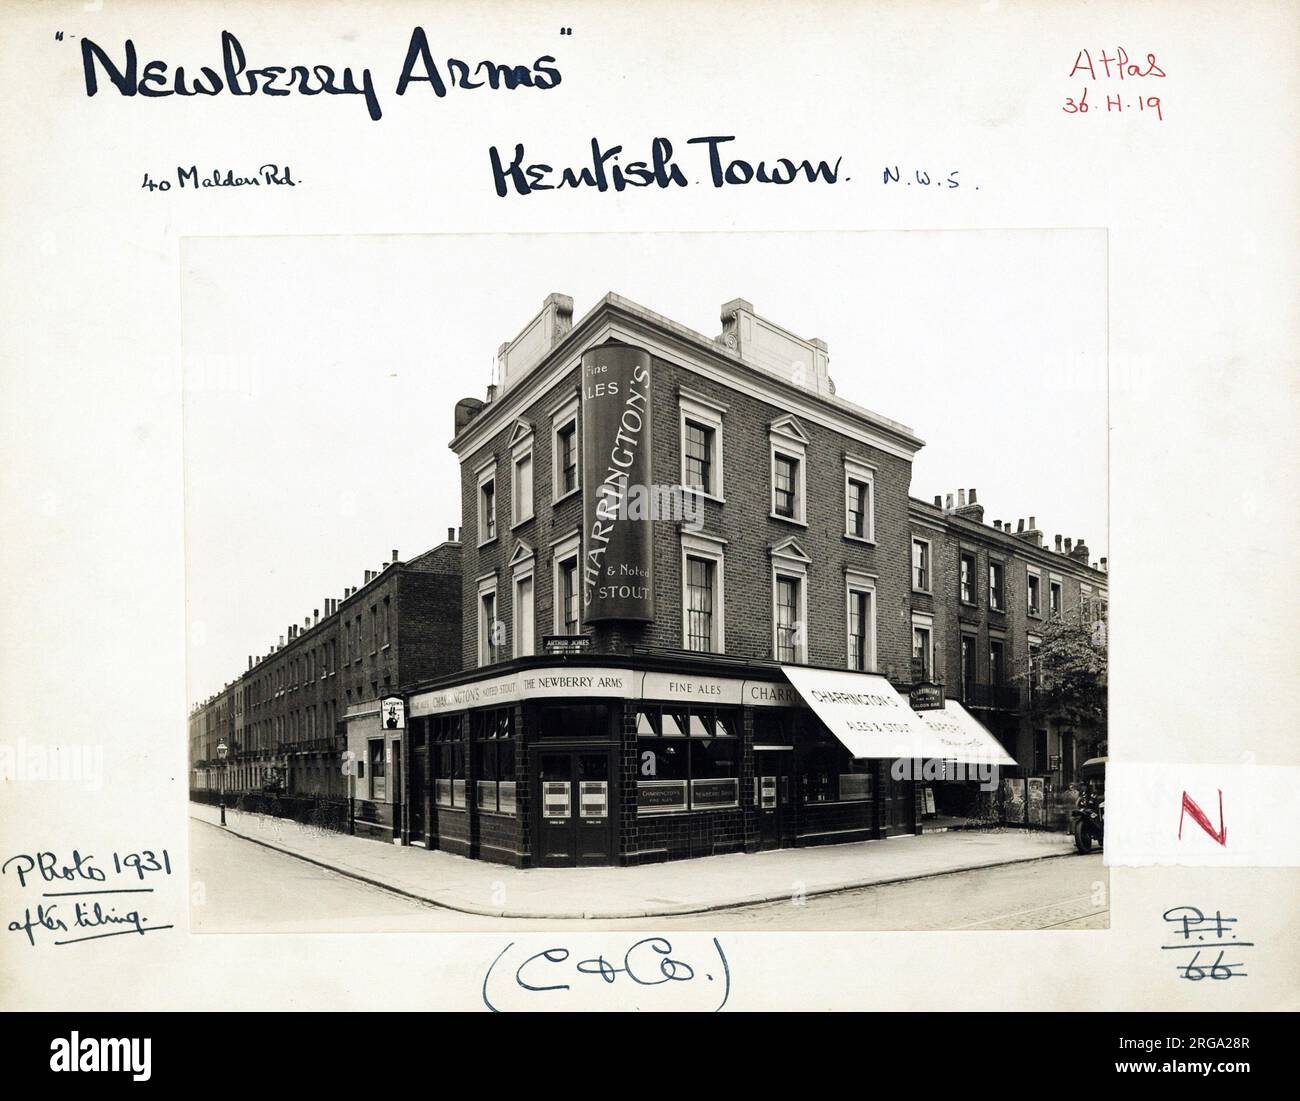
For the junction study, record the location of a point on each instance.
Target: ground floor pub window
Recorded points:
(447, 734)
(825, 772)
(375, 751)
(495, 745)
(687, 759)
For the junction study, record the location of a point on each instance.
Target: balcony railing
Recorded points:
(995, 697)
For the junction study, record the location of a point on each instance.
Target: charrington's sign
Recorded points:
(618, 559)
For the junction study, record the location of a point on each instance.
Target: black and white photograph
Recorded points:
(681, 640)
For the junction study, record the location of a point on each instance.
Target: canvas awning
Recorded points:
(864, 712)
(872, 720)
(964, 737)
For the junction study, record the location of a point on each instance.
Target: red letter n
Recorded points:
(1199, 816)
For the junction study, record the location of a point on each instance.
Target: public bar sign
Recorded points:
(617, 530)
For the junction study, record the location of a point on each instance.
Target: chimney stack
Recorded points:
(1080, 553)
(968, 507)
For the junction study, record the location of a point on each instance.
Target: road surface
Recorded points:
(240, 886)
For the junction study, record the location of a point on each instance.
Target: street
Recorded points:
(240, 886)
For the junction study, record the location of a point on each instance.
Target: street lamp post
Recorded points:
(222, 750)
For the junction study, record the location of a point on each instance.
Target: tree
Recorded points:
(1070, 670)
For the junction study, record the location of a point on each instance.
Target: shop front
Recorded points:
(612, 761)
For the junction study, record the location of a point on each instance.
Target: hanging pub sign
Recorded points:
(617, 526)
(927, 697)
(392, 713)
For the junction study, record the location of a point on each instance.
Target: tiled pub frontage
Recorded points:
(595, 761)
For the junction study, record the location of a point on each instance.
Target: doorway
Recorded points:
(898, 813)
(772, 797)
(574, 796)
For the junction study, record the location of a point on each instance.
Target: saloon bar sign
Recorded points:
(618, 563)
(927, 697)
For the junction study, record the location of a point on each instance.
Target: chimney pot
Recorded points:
(938, 500)
(1033, 524)
(972, 495)
(1069, 544)
(997, 524)
(1058, 544)
(1020, 525)
(961, 498)
(948, 502)
(1103, 565)
(394, 554)
(458, 534)
(451, 535)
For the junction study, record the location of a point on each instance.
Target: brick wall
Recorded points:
(743, 521)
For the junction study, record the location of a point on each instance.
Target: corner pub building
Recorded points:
(687, 617)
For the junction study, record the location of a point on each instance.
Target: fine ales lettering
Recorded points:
(157, 78)
(1123, 95)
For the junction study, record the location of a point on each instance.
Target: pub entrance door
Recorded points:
(574, 796)
(416, 814)
(898, 814)
(775, 812)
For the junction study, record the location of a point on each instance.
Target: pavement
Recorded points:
(694, 886)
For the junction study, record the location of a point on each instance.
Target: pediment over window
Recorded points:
(523, 553)
(788, 425)
(789, 548)
(521, 431)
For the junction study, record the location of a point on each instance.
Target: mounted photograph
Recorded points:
(710, 581)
